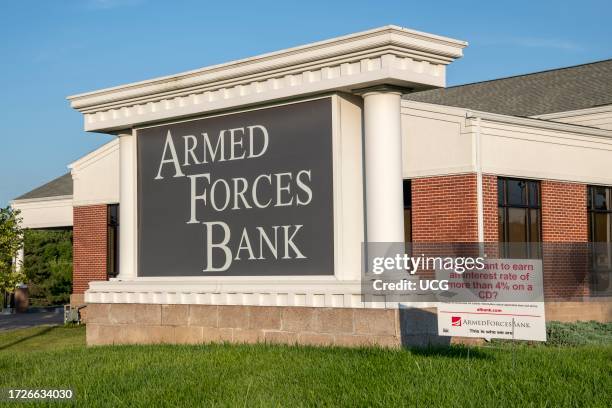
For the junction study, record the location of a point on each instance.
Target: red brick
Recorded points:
(444, 209)
(564, 221)
(89, 246)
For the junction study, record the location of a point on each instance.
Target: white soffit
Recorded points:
(387, 55)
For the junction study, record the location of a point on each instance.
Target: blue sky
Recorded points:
(52, 49)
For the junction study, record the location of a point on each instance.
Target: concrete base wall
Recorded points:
(600, 311)
(149, 323)
(194, 324)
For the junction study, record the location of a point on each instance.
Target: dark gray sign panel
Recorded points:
(248, 193)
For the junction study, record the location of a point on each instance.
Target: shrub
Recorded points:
(48, 266)
(578, 333)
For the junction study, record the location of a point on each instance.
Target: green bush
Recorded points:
(578, 333)
(48, 266)
(584, 333)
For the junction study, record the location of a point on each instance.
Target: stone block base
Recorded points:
(600, 311)
(196, 324)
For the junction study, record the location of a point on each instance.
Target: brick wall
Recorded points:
(490, 205)
(564, 212)
(564, 221)
(89, 246)
(444, 209)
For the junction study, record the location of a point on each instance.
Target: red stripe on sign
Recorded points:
(495, 314)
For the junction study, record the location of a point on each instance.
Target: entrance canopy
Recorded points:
(47, 206)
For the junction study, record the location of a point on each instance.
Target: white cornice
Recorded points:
(386, 55)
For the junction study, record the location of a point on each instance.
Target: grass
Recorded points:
(264, 375)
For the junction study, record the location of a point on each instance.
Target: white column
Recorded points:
(127, 207)
(383, 166)
(19, 257)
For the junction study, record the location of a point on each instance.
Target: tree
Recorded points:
(11, 241)
(48, 266)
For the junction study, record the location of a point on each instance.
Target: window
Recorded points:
(600, 211)
(407, 211)
(599, 201)
(519, 217)
(112, 247)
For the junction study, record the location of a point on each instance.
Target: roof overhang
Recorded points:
(531, 122)
(45, 212)
(387, 55)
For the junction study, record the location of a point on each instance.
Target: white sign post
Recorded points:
(504, 300)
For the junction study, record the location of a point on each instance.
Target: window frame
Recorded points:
(112, 248)
(407, 206)
(592, 210)
(505, 205)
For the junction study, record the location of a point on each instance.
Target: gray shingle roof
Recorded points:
(558, 90)
(61, 186)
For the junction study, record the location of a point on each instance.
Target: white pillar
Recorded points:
(383, 166)
(127, 207)
(19, 257)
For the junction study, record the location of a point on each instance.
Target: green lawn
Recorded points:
(263, 375)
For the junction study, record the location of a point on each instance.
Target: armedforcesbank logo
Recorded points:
(456, 321)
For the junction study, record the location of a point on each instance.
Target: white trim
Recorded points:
(322, 293)
(477, 157)
(446, 171)
(50, 212)
(345, 294)
(454, 52)
(337, 184)
(235, 112)
(514, 120)
(134, 197)
(128, 208)
(40, 199)
(94, 156)
(43, 225)
(389, 54)
(577, 112)
(98, 201)
(95, 176)
(542, 124)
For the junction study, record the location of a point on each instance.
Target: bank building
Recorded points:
(234, 200)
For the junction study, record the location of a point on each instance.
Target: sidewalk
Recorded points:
(32, 318)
